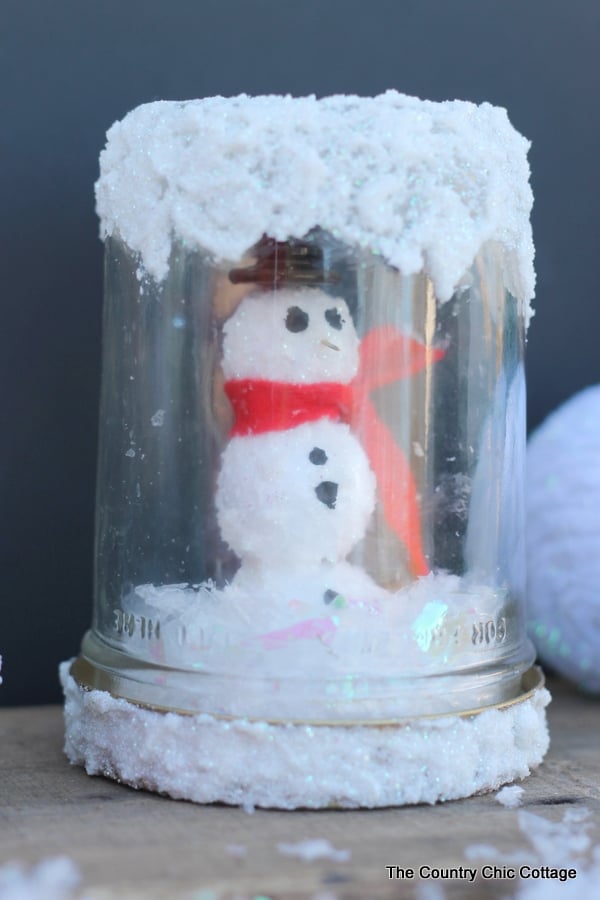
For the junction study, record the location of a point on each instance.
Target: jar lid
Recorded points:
(422, 184)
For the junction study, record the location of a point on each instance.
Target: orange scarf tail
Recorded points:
(396, 486)
(386, 356)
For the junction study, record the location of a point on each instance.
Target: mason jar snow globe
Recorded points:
(309, 539)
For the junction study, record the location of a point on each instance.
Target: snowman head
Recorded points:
(294, 336)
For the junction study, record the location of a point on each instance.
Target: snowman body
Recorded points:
(295, 491)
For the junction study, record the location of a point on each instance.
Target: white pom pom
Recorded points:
(295, 336)
(298, 496)
(563, 523)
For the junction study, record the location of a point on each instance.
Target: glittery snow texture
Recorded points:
(423, 184)
(252, 764)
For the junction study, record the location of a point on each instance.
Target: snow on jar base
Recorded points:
(291, 766)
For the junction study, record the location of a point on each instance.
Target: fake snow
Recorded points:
(158, 419)
(422, 184)
(317, 848)
(557, 845)
(290, 766)
(51, 879)
(510, 796)
(264, 624)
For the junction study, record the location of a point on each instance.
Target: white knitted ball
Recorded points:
(563, 543)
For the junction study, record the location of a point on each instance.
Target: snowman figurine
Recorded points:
(295, 490)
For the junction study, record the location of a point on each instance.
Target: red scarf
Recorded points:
(386, 355)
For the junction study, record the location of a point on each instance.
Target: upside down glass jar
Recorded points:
(312, 431)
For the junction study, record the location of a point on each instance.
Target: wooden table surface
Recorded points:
(131, 844)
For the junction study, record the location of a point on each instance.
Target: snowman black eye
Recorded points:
(334, 318)
(317, 456)
(327, 493)
(296, 319)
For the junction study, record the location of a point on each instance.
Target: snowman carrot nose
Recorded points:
(327, 343)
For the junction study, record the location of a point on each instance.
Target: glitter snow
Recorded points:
(266, 626)
(510, 796)
(554, 846)
(422, 184)
(314, 848)
(249, 764)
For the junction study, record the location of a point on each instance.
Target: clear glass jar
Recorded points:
(310, 487)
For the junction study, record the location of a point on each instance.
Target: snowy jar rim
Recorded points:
(422, 184)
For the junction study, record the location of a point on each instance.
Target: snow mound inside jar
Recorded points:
(347, 643)
(422, 184)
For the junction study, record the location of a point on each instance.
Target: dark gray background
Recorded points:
(69, 68)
